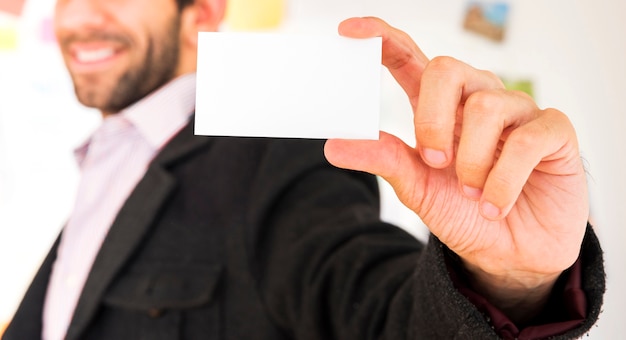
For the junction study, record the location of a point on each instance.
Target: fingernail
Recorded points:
(435, 157)
(472, 192)
(490, 210)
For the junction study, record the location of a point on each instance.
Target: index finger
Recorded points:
(401, 55)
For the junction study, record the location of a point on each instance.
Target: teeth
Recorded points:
(92, 56)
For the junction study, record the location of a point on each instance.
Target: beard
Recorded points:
(110, 93)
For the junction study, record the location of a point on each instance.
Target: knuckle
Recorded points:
(558, 118)
(484, 103)
(524, 139)
(444, 67)
(523, 95)
(443, 63)
(397, 155)
(497, 82)
(547, 125)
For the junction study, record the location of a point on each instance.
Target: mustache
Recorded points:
(94, 36)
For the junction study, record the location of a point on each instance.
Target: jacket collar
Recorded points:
(132, 223)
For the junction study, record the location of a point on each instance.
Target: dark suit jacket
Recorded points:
(243, 238)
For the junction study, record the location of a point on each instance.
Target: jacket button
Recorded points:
(155, 312)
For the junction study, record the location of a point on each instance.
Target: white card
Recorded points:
(281, 85)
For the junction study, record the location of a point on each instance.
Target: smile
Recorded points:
(93, 56)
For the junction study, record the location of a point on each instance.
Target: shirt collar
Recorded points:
(160, 115)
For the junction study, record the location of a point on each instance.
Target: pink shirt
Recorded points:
(111, 161)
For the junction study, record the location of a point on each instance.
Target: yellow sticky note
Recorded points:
(8, 38)
(254, 15)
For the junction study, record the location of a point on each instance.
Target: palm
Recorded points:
(530, 225)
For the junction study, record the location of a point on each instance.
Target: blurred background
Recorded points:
(570, 55)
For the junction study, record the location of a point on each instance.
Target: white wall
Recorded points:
(40, 123)
(574, 51)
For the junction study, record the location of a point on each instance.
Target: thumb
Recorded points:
(388, 157)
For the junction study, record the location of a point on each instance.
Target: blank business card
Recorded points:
(293, 86)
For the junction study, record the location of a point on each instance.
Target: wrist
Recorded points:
(520, 295)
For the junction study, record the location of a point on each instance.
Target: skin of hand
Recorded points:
(495, 178)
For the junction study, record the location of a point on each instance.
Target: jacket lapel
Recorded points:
(131, 224)
(27, 321)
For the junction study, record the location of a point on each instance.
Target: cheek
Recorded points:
(57, 26)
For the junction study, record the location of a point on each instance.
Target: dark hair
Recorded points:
(183, 3)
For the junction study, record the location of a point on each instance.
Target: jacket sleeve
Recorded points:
(567, 308)
(328, 268)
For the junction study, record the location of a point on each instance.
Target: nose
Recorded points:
(73, 15)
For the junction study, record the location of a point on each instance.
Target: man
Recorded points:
(178, 236)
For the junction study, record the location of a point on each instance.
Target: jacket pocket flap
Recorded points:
(160, 286)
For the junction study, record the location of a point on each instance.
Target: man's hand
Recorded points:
(495, 178)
